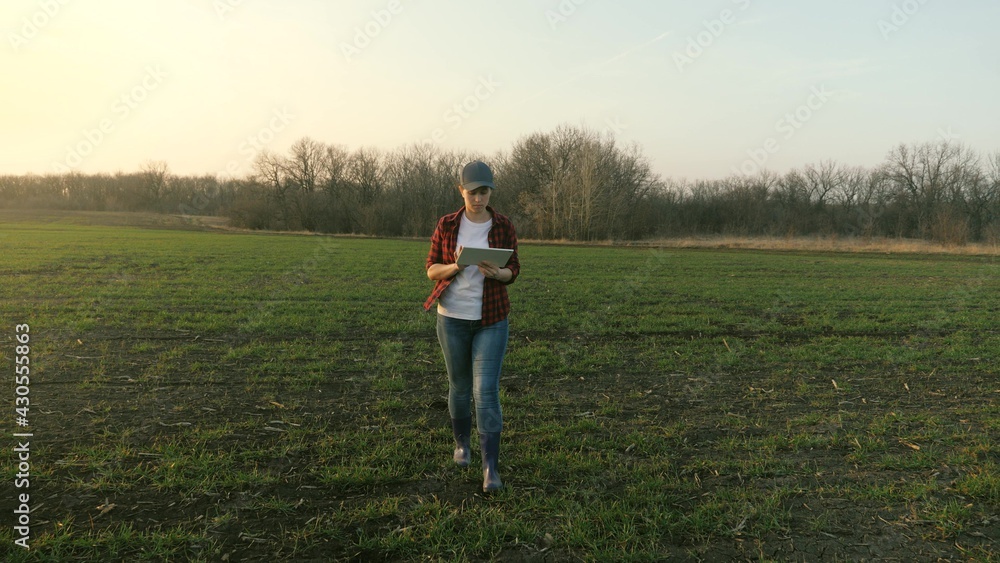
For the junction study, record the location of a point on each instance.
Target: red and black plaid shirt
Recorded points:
(496, 304)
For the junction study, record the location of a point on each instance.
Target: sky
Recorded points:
(706, 89)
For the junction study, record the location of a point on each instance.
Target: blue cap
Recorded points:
(476, 174)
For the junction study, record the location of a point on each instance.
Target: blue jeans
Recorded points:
(473, 354)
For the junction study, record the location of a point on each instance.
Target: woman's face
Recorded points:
(476, 200)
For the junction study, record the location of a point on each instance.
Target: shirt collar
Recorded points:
(456, 217)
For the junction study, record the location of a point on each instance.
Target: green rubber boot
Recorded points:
(489, 442)
(462, 428)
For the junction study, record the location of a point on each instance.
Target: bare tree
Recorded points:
(571, 182)
(340, 212)
(791, 195)
(847, 201)
(306, 164)
(824, 179)
(575, 184)
(304, 168)
(991, 227)
(928, 176)
(747, 203)
(154, 175)
(364, 171)
(270, 172)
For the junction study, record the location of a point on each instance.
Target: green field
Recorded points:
(214, 396)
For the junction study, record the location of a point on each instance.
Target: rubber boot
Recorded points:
(489, 442)
(462, 428)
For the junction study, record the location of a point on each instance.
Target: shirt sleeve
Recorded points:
(436, 253)
(514, 264)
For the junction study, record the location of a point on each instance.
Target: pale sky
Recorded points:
(704, 88)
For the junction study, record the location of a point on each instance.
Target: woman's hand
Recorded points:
(492, 271)
(444, 271)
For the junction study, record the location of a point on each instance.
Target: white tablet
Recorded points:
(471, 255)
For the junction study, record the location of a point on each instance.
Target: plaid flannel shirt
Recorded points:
(496, 304)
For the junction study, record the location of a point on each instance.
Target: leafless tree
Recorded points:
(928, 176)
(154, 176)
(570, 182)
(304, 168)
(574, 183)
(306, 164)
(270, 174)
(747, 200)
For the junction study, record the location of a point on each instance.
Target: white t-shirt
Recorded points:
(464, 297)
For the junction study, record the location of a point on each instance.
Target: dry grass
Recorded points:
(112, 219)
(873, 245)
(831, 244)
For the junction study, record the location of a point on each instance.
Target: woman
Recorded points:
(472, 315)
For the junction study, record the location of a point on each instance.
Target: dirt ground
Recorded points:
(136, 413)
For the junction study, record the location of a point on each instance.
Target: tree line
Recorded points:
(571, 183)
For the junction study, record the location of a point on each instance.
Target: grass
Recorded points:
(262, 396)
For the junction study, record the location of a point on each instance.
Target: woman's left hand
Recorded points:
(489, 269)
